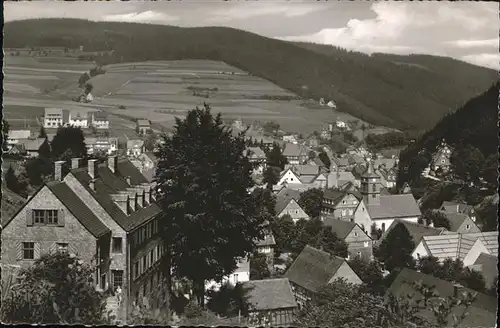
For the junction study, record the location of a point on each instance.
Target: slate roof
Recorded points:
(482, 312)
(342, 161)
(100, 116)
(318, 162)
(281, 203)
(33, 144)
(456, 219)
(416, 230)
(268, 240)
(289, 193)
(269, 294)
(487, 264)
(394, 206)
(306, 170)
(341, 178)
(107, 184)
(125, 168)
(453, 207)
(457, 245)
(293, 150)
(313, 268)
(142, 122)
(19, 134)
(76, 206)
(53, 111)
(255, 153)
(334, 195)
(340, 227)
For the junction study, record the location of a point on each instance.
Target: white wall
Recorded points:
(421, 250)
(288, 177)
(474, 253)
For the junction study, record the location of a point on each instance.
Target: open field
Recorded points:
(159, 91)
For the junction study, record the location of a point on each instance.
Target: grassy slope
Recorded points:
(375, 89)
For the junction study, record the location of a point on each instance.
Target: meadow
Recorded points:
(158, 91)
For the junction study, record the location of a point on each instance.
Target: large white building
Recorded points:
(100, 120)
(79, 119)
(55, 117)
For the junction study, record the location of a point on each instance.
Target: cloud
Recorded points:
(149, 16)
(474, 43)
(491, 60)
(251, 9)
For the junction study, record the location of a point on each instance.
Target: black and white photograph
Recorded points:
(250, 163)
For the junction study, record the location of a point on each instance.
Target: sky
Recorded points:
(463, 30)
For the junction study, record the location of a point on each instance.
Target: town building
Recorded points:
(303, 177)
(55, 117)
(481, 313)
(266, 246)
(359, 244)
(101, 145)
(460, 222)
(240, 275)
(464, 246)
(106, 214)
(387, 177)
(79, 119)
(271, 299)
(15, 136)
(100, 120)
(340, 205)
(314, 269)
(135, 147)
(257, 156)
(382, 210)
(326, 134)
(286, 205)
(487, 264)
(454, 207)
(143, 126)
(290, 138)
(30, 147)
(336, 178)
(416, 230)
(295, 154)
(441, 158)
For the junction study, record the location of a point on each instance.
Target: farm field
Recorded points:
(158, 91)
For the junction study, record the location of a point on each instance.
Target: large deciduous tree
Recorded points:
(311, 201)
(210, 218)
(275, 157)
(437, 218)
(395, 250)
(56, 289)
(68, 142)
(370, 273)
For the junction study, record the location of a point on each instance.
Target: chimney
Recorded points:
(92, 184)
(132, 198)
(112, 163)
(140, 195)
(147, 193)
(58, 170)
(122, 201)
(456, 288)
(92, 168)
(128, 180)
(75, 163)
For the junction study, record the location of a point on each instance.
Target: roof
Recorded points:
(53, 111)
(255, 152)
(292, 150)
(100, 116)
(318, 162)
(488, 266)
(289, 193)
(333, 194)
(143, 122)
(340, 227)
(342, 161)
(457, 245)
(11, 203)
(33, 144)
(109, 183)
(341, 177)
(79, 114)
(307, 169)
(76, 206)
(19, 134)
(268, 240)
(416, 230)
(384, 162)
(453, 207)
(482, 312)
(369, 171)
(269, 294)
(132, 143)
(456, 219)
(313, 268)
(394, 206)
(355, 159)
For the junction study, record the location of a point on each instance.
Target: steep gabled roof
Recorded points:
(453, 207)
(456, 219)
(482, 312)
(340, 227)
(255, 152)
(457, 245)
(293, 150)
(488, 266)
(125, 168)
(416, 230)
(394, 206)
(78, 208)
(268, 240)
(143, 122)
(313, 268)
(270, 294)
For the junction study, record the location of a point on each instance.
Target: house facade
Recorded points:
(143, 126)
(135, 147)
(291, 207)
(441, 158)
(103, 145)
(240, 275)
(303, 177)
(15, 136)
(79, 119)
(257, 156)
(55, 117)
(100, 120)
(359, 244)
(339, 204)
(295, 154)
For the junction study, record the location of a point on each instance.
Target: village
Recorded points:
(107, 210)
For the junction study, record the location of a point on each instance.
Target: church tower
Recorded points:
(370, 185)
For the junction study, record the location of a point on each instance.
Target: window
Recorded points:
(374, 188)
(351, 212)
(28, 251)
(136, 269)
(467, 227)
(45, 217)
(151, 256)
(373, 195)
(144, 263)
(344, 212)
(343, 202)
(117, 278)
(235, 276)
(117, 245)
(62, 247)
(355, 234)
(365, 244)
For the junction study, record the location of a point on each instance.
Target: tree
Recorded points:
(42, 133)
(490, 170)
(266, 200)
(37, 169)
(487, 216)
(311, 201)
(465, 162)
(493, 290)
(370, 273)
(210, 220)
(275, 157)
(395, 250)
(311, 154)
(258, 267)
(88, 88)
(283, 230)
(229, 300)
(14, 183)
(44, 151)
(473, 279)
(271, 176)
(68, 143)
(150, 140)
(430, 265)
(437, 218)
(57, 288)
(271, 127)
(323, 156)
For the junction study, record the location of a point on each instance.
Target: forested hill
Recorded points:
(472, 131)
(375, 89)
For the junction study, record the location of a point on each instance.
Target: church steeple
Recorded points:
(370, 185)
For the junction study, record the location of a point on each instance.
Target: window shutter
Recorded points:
(60, 218)
(19, 251)
(29, 217)
(53, 248)
(37, 251)
(72, 249)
